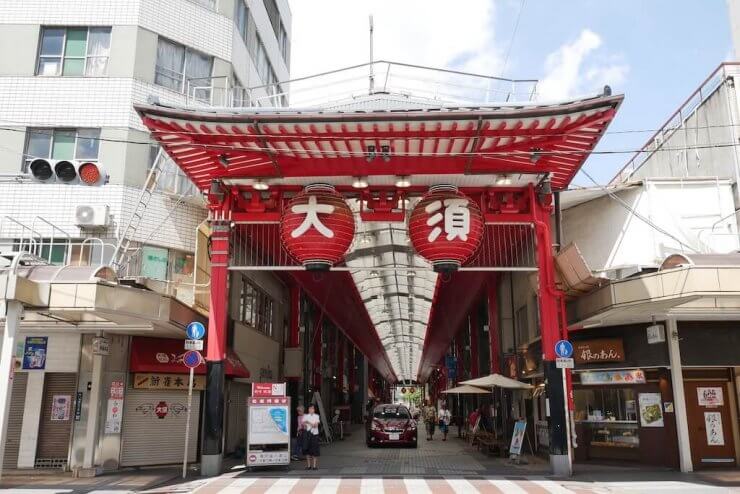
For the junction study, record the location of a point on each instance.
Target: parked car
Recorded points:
(390, 425)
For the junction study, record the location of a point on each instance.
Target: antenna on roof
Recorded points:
(372, 73)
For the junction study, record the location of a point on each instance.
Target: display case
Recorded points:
(611, 439)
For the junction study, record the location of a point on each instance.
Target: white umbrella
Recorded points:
(466, 390)
(497, 381)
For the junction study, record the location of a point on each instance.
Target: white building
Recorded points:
(67, 90)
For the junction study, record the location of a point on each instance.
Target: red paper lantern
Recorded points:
(446, 227)
(317, 227)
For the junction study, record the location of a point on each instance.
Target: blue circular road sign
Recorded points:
(195, 330)
(564, 349)
(192, 359)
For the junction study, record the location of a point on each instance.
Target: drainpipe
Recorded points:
(558, 223)
(679, 398)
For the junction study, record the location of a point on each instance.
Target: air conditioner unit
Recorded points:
(87, 216)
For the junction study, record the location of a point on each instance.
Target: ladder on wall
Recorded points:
(122, 254)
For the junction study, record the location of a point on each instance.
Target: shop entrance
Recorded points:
(57, 415)
(710, 424)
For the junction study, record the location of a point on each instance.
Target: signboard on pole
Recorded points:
(564, 363)
(564, 349)
(268, 431)
(191, 359)
(195, 331)
(268, 389)
(196, 345)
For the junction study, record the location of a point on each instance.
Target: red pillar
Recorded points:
(494, 332)
(474, 355)
(213, 419)
(549, 300)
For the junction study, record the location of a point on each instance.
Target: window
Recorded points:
(277, 25)
(170, 179)
(61, 144)
(256, 48)
(74, 51)
(183, 70)
(256, 307)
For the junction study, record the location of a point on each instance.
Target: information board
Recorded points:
(268, 431)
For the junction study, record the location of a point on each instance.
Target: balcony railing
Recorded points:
(409, 84)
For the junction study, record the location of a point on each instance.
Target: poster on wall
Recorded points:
(61, 406)
(713, 422)
(651, 410)
(34, 352)
(710, 397)
(113, 416)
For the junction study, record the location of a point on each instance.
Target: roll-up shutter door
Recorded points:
(56, 419)
(153, 429)
(236, 421)
(15, 420)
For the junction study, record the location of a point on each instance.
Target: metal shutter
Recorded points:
(53, 444)
(150, 440)
(15, 420)
(236, 416)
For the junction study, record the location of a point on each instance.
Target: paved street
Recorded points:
(350, 467)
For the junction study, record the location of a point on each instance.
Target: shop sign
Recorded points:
(651, 410)
(597, 351)
(636, 376)
(101, 346)
(710, 397)
(78, 406)
(161, 409)
(517, 437)
(268, 389)
(116, 390)
(713, 423)
(168, 381)
(655, 334)
(446, 227)
(34, 352)
(61, 406)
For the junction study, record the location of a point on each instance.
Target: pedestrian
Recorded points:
(445, 417)
(485, 421)
(297, 449)
(430, 419)
(311, 423)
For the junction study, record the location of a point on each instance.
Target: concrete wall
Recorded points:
(257, 350)
(696, 213)
(698, 147)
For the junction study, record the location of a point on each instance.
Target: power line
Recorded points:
(513, 36)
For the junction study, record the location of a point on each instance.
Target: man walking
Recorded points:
(430, 418)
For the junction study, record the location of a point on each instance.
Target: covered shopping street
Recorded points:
(394, 222)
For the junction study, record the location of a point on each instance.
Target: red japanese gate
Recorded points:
(508, 160)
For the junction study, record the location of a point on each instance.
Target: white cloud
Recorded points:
(568, 72)
(330, 34)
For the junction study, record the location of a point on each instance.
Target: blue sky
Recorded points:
(656, 52)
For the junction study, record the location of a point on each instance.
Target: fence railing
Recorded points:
(409, 83)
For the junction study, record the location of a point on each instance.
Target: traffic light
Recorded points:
(68, 172)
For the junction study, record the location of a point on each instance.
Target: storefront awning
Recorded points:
(164, 355)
